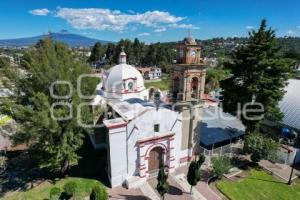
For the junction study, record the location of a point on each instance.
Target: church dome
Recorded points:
(122, 78)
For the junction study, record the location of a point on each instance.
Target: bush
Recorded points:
(99, 193)
(70, 188)
(221, 165)
(261, 147)
(55, 193)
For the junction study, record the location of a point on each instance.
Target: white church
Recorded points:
(138, 134)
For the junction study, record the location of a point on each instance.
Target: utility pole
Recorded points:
(292, 171)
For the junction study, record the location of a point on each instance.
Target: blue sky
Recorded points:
(149, 20)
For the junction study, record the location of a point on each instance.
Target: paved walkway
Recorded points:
(182, 181)
(179, 189)
(280, 170)
(149, 192)
(120, 193)
(202, 186)
(175, 192)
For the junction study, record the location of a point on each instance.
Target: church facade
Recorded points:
(141, 135)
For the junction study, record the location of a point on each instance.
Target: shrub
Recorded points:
(99, 193)
(70, 188)
(221, 165)
(55, 193)
(261, 147)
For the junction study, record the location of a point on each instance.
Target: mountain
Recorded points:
(72, 40)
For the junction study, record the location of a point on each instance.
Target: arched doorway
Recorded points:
(176, 87)
(156, 158)
(194, 87)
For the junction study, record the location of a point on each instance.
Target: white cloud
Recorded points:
(298, 26)
(290, 33)
(249, 27)
(40, 12)
(106, 19)
(143, 34)
(131, 11)
(184, 26)
(159, 30)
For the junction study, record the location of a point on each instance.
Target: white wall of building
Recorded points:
(140, 128)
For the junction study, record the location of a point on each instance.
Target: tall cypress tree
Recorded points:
(193, 174)
(162, 183)
(258, 74)
(97, 52)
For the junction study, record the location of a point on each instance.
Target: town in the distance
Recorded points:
(186, 119)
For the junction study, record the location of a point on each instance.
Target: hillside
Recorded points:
(72, 40)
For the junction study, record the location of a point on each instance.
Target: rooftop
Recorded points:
(217, 126)
(290, 105)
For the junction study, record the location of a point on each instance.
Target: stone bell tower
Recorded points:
(187, 85)
(188, 73)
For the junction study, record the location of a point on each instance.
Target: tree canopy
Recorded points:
(258, 74)
(138, 53)
(53, 142)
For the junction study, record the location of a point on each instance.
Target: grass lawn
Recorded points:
(84, 187)
(162, 85)
(259, 186)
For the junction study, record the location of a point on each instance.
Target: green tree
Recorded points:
(215, 76)
(97, 52)
(53, 143)
(257, 71)
(162, 183)
(193, 174)
(4, 62)
(110, 53)
(260, 147)
(221, 165)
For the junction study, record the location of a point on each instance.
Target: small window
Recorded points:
(130, 86)
(156, 127)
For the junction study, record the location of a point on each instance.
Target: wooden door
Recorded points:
(155, 159)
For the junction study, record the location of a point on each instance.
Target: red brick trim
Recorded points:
(117, 126)
(157, 139)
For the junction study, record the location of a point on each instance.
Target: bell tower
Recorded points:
(188, 73)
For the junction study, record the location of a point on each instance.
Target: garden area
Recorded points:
(258, 184)
(163, 84)
(78, 188)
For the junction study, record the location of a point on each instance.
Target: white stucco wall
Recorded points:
(144, 128)
(140, 128)
(117, 152)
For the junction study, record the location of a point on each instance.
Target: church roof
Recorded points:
(129, 109)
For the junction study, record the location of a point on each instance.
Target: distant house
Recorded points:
(150, 73)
